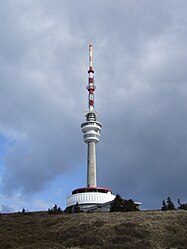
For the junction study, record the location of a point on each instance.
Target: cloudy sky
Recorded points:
(139, 53)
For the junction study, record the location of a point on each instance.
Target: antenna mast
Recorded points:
(90, 87)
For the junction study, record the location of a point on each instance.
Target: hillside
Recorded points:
(145, 229)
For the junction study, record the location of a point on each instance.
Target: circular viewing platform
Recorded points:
(91, 131)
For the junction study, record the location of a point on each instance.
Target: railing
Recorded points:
(91, 123)
(91, 135)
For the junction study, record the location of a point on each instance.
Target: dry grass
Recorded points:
(141, 230)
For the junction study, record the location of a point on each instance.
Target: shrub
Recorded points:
(164, 206)
(73, 209)
(55, 210)
(182, 206)
(168, 205)
(77, 208)
(121, 205)
(69, 210)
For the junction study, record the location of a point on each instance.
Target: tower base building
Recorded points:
(91, 199)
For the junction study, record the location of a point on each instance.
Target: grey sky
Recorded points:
(140, 59)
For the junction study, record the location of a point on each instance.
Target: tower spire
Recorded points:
(90, 87)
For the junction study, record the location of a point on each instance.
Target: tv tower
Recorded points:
(91, 197)
(91, 128)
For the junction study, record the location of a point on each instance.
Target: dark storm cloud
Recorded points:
(37, 105)
(139, 60)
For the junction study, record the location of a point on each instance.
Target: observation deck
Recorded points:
(91, 131)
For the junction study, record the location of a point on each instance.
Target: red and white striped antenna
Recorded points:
(90, 87)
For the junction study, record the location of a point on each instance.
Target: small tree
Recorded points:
(69, 210)
(129, 206)
(121, 205)
(164, 206)
(168, 205)
(117, 204)
(55, 210)
(77, 208)
(49, 211)
(182, 206)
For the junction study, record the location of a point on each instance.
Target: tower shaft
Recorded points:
(91, 165)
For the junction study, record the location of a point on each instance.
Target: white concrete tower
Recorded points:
(91, 197)
(91, 128)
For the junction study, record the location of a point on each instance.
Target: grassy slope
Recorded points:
(151, 229)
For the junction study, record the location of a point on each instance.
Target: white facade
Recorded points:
(89, 198)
